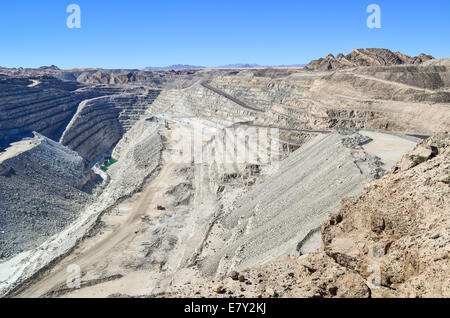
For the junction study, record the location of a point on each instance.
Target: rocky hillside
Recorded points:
(400, 225)
(43, 188)
(365, 57)
(393, 241)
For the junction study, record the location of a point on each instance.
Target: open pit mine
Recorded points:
(115, 183)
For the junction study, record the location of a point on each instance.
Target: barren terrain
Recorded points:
(103, 169)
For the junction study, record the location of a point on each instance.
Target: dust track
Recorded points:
(57, 277)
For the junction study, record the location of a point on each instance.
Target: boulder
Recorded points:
(419, 155)
(234, 275)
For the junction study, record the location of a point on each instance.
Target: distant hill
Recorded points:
(291, 65)
(258, 66)
(174, 67)
(243, 65)
(51, 67)
(366, 57)
(193, 67)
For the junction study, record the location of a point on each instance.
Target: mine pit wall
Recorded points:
(202, 103)
(413, 98)
(101, 122)
(284, 100)
(45, 108)
(365, 98)
(94, 128)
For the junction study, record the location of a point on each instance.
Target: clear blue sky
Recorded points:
(139, 33)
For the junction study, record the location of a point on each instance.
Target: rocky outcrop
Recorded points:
(288, 278)
(43, 188)
(399, 228)
(365, 57)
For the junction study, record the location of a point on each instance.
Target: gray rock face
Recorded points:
(101, 122)
(42, 189)
(45, 106)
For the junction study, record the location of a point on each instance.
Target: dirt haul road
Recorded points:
(121, 229)
(58, 276)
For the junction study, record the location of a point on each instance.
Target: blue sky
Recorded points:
(140, 33)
